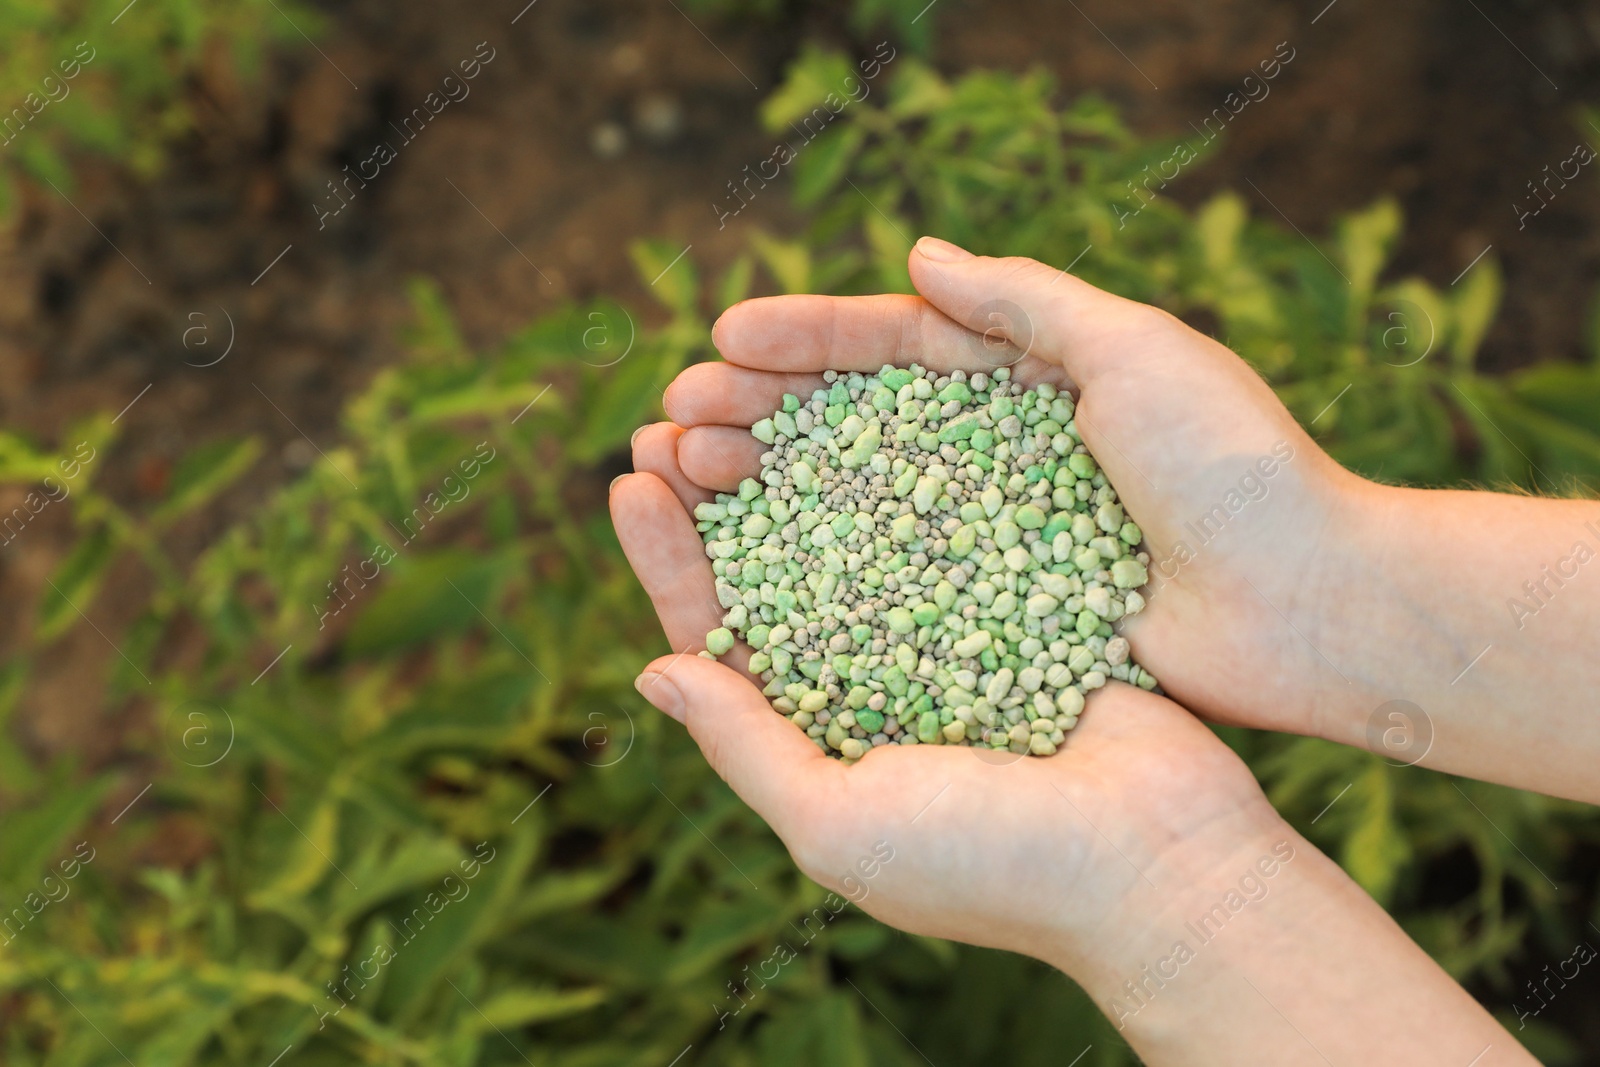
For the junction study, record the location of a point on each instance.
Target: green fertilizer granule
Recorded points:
(926, 559)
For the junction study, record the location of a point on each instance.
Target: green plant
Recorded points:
(110, 77)
(992, 163)
(468, 687)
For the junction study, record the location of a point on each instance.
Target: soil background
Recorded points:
(597, 122)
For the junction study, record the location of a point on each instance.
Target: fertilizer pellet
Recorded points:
(927, 559)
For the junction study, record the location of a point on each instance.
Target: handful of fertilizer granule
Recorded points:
(927, 560)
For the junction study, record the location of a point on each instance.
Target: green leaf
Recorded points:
(20, 462)
(821, 165)
(1564, 454)
(1375, 850)
(75, 583)
(555, 892)
(434, 335)
(440, 931)
(826, 1030)
(428, 597)
(789, 262)
(1475, 307)
(40, 159)
(860, 940)
(388, 868)
(524, 1006)
(1365, 239)
(1415, 321)
(810, 79)
(891, 245)
(910, 21)
(667, 272)
(311, 841)
(477, 397)
(1506, 452)
(588, 944)
(735, 285)
(1570, 393)
(477, 712)
(718, 932)
(38, 834)
(629, 391)
(1219, 225)
(18, 774)
(204, 473)
(917, 90)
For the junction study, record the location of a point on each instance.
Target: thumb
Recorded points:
(767, 760)
(1044, 312)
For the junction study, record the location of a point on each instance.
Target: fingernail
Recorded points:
(941, 251)
(634, 439)
(716, 327)
(661, 692)
(614, 482)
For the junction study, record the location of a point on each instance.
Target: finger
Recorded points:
(667, 554)
(862, 333)
(770, 763)
(1048, 312)
(730, 395)
(655, 451)
(719, 457)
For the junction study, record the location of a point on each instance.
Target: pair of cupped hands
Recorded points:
(1045, 856)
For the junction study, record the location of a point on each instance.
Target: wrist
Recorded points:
(1296, 965)
(1382, 633)
(1225, 865)
(1465, 618)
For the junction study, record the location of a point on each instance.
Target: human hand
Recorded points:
(1057, 857)
(1098, 860)
(1093, 858)
(1140, 784)
(1235, 500)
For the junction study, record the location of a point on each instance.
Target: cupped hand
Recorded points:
(1059, 857)
(1093, 858)
(1239, 507)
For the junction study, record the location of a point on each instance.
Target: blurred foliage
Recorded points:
(112, 77)
(419, 653)
(992, 163)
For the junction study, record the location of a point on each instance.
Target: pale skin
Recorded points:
(1319, 600)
